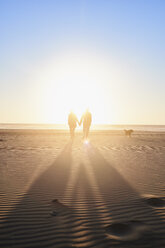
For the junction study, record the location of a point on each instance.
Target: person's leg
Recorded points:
(71, 132)
(70, 129)
(73, 129)
(87, 132)
(84, 132)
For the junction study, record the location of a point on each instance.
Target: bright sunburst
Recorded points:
(74, 83)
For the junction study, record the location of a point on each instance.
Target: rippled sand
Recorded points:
(109, 192)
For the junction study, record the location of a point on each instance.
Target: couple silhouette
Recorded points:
(86, 119)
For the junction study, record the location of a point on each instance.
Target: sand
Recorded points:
(107, 193)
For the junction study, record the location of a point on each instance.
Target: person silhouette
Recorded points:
(86, 119)
(72, 122)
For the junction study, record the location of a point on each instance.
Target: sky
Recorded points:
(62, 55)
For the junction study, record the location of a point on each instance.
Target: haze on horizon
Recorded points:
(62, 55)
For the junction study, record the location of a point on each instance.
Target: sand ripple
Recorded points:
(55, 195)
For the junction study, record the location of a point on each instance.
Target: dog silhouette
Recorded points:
(128, 132)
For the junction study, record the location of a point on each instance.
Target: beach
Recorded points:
(108, 192)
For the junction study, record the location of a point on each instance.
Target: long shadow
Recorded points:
(32, 222)
(38, 222)
(124, 202)
(87, 225)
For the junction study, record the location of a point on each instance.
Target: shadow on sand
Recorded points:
(30, 224)
(133, 221)
(103, 210)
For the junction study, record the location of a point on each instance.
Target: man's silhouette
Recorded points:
(72, 122)
(86, 119)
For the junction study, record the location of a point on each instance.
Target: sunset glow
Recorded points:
(57, 56)
(75, 83)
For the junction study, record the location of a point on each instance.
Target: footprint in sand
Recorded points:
(155, 202)
(59, 208)
(54, 213)
(126, 231)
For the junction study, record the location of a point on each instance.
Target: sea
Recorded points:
(153, 128)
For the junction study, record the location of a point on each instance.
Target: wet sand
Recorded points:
(107, 193)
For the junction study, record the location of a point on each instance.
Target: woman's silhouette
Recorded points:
(72, 122)
(86, 119)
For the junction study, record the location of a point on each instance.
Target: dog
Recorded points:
(128, 132)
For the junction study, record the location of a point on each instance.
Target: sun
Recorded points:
(74, 83)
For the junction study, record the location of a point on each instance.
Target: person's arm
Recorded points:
(77, 121)
(81, 121)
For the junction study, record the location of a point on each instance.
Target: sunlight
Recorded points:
(86, 142)
(75, 83)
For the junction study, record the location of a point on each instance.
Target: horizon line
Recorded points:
(65, 124)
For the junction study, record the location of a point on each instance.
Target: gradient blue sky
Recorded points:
(122, 39)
